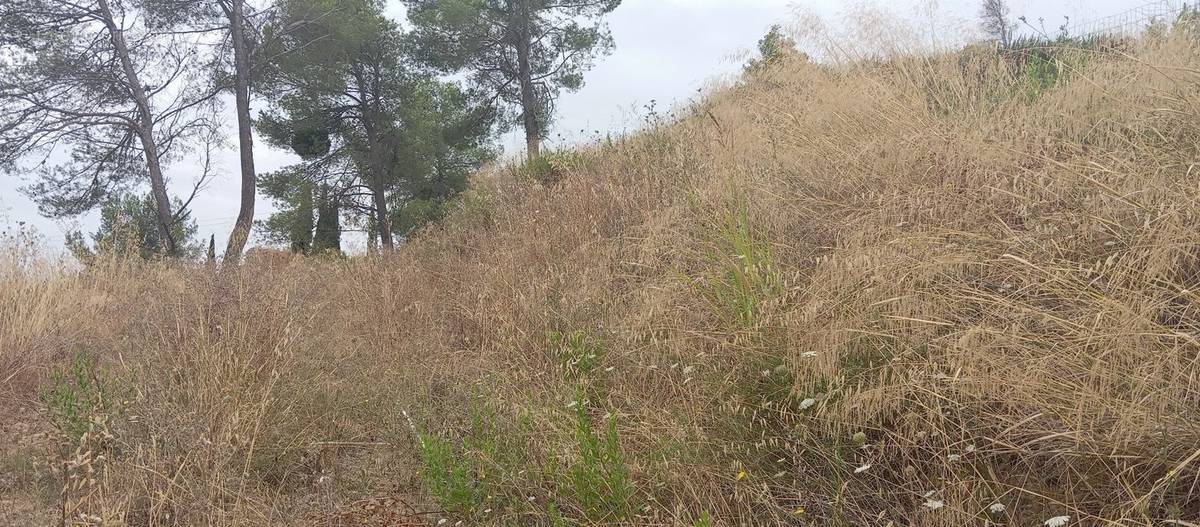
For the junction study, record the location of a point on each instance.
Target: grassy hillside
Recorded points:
(951, 290)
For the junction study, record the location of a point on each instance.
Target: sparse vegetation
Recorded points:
(907, 290)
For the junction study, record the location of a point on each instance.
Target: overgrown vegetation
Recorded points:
(902, 290)
(75, 397)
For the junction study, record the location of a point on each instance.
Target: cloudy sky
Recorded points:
(666, 51)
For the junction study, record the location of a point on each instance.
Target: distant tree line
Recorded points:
(101, 100)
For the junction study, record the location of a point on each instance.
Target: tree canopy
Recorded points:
(374, 129)
(101, 99)
(522, 52)
(128, 227)
(93, 104)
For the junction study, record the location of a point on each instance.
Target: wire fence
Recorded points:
(1132, 22)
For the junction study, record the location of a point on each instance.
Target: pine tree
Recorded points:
(523, 52)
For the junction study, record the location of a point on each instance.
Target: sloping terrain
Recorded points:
(943, 290)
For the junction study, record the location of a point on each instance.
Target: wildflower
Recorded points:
(862, 469)
(741, 475)
(970, 448)
(997, 508)
(530, 499)
(807, 403)
(934, 504)
(1058, 521)
(954, 457)
(799, 511)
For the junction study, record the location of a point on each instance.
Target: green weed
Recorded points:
(599, 480)
(748, 277)
(578, 352)
(75, 395)
(449, 476)
(550, 168)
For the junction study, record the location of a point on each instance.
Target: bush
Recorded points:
(75, 397)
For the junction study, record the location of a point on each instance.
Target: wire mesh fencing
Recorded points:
(1132, 22)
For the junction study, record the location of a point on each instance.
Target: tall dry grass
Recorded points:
(906, 290)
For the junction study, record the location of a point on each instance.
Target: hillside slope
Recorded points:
(947, 290)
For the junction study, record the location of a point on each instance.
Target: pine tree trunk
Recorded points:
(529, 102)
(241, 56)
(377, 180)
(328, 235)
(382, 220)
(145, 130)
(301, 237)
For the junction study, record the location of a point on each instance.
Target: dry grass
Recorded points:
(985, 294)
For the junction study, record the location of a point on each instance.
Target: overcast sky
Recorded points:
(666, 51)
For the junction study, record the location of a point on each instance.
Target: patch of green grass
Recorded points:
(489, 467)
(549, 168)
(747, 277)
(578, 352)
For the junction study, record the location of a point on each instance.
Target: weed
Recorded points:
(747, 275)
(549, 168)
(75, 395)
(599, 480)
(578, 352)
(449, 475)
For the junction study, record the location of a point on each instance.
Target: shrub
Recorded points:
(75, 396)
(599, 480)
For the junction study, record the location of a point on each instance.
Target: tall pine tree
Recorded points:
(522, 52)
